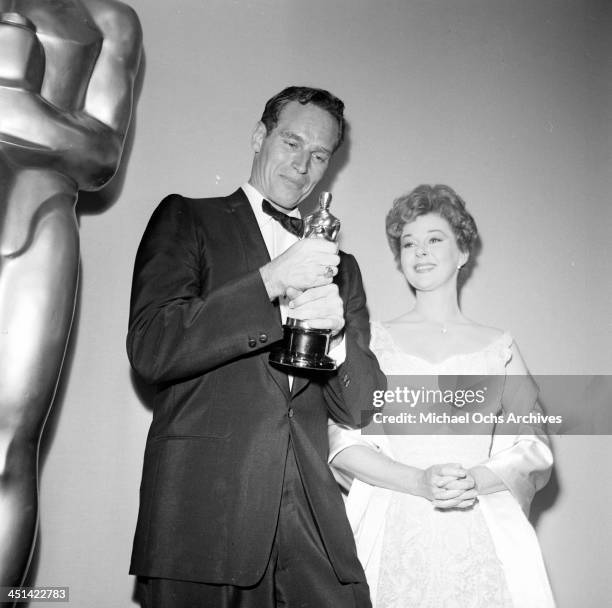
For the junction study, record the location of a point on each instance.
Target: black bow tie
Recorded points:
(292, 224)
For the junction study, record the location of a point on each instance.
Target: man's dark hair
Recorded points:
(318, 97)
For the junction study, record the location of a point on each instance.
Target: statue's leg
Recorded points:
(37, 295)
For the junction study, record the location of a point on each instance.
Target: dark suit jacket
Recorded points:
(201, 327)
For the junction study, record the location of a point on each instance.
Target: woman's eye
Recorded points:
(407, 245)
(435, 239)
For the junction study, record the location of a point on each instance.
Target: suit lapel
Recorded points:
(255, 256)
(255, 250)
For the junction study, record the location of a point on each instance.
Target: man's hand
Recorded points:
(321, 307)
(308, 263)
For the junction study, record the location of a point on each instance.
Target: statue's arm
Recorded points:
(85, 144)
(110, 92)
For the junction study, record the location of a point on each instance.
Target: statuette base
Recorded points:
(303, 348)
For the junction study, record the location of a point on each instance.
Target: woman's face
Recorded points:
(430, 256)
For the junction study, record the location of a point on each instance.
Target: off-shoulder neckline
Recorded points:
(504, 339)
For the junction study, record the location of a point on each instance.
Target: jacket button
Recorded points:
(290, 412)
(252, 342)
(263, 338)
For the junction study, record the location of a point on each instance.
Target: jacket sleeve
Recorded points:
(181, 326)
(349, 392)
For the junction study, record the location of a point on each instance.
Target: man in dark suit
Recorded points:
(237, 505)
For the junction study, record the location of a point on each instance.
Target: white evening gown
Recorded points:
(417, 556)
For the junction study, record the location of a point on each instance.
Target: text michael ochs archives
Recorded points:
(465, 404)
(410, 410)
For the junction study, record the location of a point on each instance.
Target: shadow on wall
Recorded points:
(544, 499)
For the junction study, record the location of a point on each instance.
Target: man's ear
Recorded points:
(259, 134)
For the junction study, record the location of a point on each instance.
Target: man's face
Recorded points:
(291, 159)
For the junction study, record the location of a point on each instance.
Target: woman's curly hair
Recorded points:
(425, 199)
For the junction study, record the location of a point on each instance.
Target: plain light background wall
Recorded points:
(507, 101)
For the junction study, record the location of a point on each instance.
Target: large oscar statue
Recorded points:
(67, 70)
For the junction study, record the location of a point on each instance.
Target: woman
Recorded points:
(440, 519)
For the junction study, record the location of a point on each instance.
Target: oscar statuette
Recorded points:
(304, 347)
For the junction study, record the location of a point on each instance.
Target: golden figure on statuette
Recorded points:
(304, 347)
(67, 71)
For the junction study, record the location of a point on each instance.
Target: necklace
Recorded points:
(442, 326)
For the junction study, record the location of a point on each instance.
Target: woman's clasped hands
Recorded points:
(448, 486)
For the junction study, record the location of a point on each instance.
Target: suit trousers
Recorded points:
(298, 573)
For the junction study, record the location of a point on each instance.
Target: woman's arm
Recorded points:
(520, 463)
(445, 485)
(486, 481)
